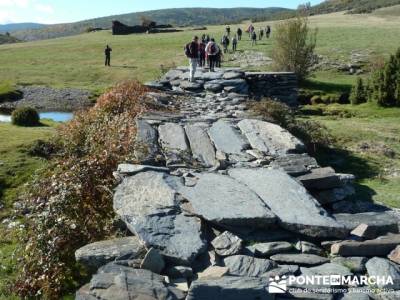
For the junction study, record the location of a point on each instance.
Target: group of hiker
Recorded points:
(206, 52)
(251, 30)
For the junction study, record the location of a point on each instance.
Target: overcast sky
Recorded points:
(60, 11)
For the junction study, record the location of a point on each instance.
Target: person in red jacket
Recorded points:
(192, 52)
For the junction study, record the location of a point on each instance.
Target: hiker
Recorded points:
(212, 51)
(192, 52)
(254, 38)
(107, 53)
(202, 53)
(218, 60)
(207, 39)
(239, 34)
(228, 30)
(225, 43)
(250, 30)
(234, 43)
(268, 31)
(261, 34)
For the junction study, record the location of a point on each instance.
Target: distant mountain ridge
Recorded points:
(20, 26)
(174, 16)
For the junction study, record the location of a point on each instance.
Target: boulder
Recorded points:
(173, 137)
(326, 270)
(334, 195)
(282, 270)
(355, 264)
(173, 74)
(180, 272)
(268, 249)
(191, 86)
(394, 256)
(379, 223)
(308, 248)
(299, 259)
(214, 272)
(321, 179)
(233, 75)
(381, 267)
(270, 138)
(227, 244)
(98, 254)
(229, 288)
(213, 87)
(295, 164)
(248, 266)
(201, 145)
(227, 139)
(378, 247)
(147, 141)
(147, 203)
(296, 209)
(153, 261)
(224, 201)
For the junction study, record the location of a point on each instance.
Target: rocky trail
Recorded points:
(222, 202)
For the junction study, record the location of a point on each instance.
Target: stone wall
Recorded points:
(281, 86)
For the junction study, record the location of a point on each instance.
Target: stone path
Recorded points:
(221, 202)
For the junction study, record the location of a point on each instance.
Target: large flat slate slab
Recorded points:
(227, 138)
(201, 145)
(296, 209)
(270, 138)
(98, 254)
(242, 265)
(224, 201)
(147, 203)
(230, 288)
(147, 140)
(383, 268)
(173, 137)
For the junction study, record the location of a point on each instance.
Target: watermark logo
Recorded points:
(277, 285)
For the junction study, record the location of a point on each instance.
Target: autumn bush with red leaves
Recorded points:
(71, 200)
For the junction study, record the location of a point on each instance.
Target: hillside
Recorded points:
(7, 39)
(352, 6)
(20, 26)
(176, 17)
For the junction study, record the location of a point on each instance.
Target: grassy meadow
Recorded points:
(367, 137)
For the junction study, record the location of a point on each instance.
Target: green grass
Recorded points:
(378, 174)
(16, 168)
(77, 61)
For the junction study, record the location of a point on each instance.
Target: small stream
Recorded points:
(55, 116)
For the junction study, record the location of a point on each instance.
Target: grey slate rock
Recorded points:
(227, 138)
(299, 259)
(131, 284)
(191, 86)
(233, 75)
(248, 266)
(213, 87)
(227, 244)
(295, 164)
(222, 200)
(153, 261)
(173, 137)
(130, 170)
(379, 223)
(356, 264)
(381, 267)
(180, 272)
(229, 288)
(147, 140)
(201, 145)
(334, 195)
(147, 203)
(282, 270)
(268, 249)
(326, 270)
(297, 210)
(321, 179)
(381, 246)
(270, 138)
(98, 254)
(308, 248)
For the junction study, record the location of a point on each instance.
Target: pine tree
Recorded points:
(358, 93)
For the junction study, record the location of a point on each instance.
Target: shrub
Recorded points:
(384, 84)
(358, 93)
(316, 99)
(71, 200)
(294, 48)
(25, 116)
